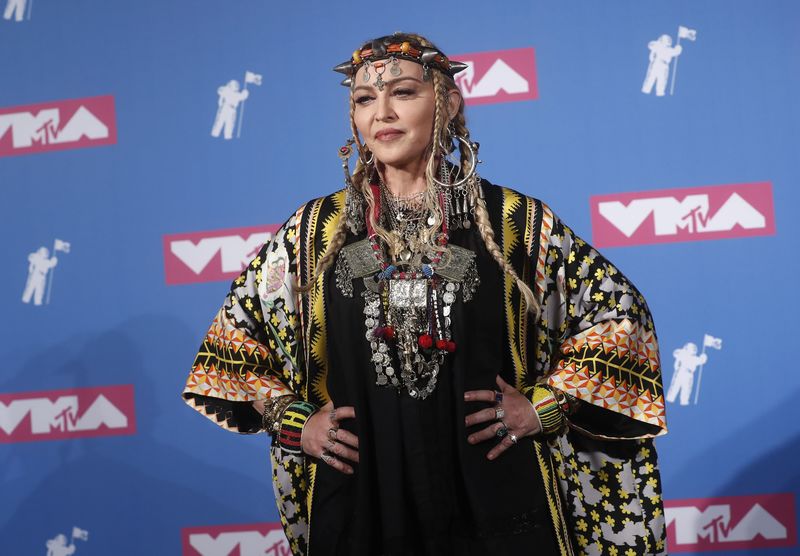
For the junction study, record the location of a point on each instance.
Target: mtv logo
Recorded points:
(498, 76)
(690, 214)
(260, 539)
(58, 125)
(735, 522)
(73, 413)
(212, 256)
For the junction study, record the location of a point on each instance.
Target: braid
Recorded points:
(487, 233)
(481, 214)
(339, 236)
(340, 232)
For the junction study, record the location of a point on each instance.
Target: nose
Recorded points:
(384, 111)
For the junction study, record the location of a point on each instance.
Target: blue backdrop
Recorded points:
(112, 318)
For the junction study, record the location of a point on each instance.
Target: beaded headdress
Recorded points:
(392, 47)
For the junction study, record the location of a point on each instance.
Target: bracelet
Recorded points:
(567, 402)
(548, 409)
(291, 425)
(273, 412)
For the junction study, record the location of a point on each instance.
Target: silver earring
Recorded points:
(472, 156)
(371, 159)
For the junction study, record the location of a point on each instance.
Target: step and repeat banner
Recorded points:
(148, 149)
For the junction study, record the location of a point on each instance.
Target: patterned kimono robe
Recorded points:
(593, 339)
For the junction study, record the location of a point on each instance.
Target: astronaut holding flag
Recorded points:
(662, 54)
(229, 99)
(59, 547)
(687, 363)
(41, 267)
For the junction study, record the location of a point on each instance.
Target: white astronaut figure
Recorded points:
(661, 54)
(15, 8)
(59, 547)
(686, 363)
(229, 98)
(39, 264)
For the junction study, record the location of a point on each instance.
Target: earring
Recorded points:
(371, 159)
(472, 155)
(354, 200)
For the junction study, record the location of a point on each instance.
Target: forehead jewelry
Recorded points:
(393, 48)
(380, 67)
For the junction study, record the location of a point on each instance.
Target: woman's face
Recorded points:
(396, 123)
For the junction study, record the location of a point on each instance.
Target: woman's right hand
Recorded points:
(322, 438)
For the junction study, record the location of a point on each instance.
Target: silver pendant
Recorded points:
(408, 293)
(457, 264)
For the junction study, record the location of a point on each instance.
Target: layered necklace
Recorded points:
(411, 284)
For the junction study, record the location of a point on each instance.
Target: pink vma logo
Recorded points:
(260, 539)
(58, 125)
(691, 214)
(499, 76)
(731, 523)
(212, 256)
(73, 413)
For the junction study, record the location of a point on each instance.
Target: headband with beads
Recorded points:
(381, 49)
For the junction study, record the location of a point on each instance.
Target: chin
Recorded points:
(398, 160)
(392, 161)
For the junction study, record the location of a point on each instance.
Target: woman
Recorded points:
(444, 367)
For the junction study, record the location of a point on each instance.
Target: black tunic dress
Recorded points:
(420, 488)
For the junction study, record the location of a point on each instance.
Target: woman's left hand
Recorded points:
(519, 417)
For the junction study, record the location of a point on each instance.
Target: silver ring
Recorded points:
(331, 444)
(327, 458)
(502, 431)
(332, 433)
(499, 412)
(498, 397)
(513, 438)
(333, 415)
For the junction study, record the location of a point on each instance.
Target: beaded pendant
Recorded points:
(407, 310)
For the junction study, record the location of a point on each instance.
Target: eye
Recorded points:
(404, 92)
(362, 99)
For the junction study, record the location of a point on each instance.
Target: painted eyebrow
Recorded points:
(390, 83)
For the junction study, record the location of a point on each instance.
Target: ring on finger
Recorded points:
(327, 458)
(513, 438)
(501, 431)
(499, 413)
(498, 397)
(332, 433)
(331, 444)
(333, 415)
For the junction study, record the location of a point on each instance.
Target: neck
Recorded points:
(406, 180)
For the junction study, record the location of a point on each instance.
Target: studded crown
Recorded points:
(392, 48)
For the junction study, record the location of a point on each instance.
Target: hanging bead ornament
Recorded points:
(354, 200)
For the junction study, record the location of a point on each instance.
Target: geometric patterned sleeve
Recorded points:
(250, 351)
(596, 339)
